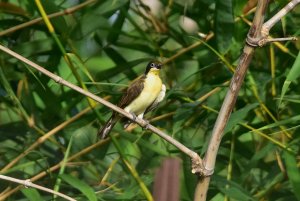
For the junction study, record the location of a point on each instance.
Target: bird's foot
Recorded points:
(133, 116)
(147, 124)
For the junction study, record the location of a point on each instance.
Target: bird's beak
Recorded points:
(159, 66)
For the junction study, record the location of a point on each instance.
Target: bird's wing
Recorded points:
(132, 92)
(159, 98)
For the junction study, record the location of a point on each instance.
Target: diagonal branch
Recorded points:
(27, 183)
(197, 165)
(43, 138)
(273, 20)
(53, 15)
(9, 191)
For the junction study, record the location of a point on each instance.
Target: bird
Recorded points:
(143, 95)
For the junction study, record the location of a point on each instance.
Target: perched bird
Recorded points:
(142, 96)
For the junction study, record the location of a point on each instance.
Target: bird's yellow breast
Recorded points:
(152, 88)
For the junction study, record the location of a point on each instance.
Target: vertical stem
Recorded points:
(230, 99)
(230, 165)
(272, 65)
(226, 109)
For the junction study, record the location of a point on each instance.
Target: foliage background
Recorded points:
(107, 44)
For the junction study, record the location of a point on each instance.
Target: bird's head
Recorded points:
(153, 66)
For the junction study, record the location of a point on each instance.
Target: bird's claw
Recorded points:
(147, 123)
(133, 116)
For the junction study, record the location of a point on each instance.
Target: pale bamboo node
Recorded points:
(257, 37)
(28, 184)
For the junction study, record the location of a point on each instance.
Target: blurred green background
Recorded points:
(102, 46)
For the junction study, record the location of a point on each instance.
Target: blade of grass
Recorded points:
(292, 76)
(62, 168)
(293, 172)
(63, 51)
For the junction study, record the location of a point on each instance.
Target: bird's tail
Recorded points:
(105, 130)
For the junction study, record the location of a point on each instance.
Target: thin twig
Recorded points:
(257, 36)
(277, 44)
(27, 183)
(273, 20)
(265, 29)
(53, 15)
(265, 41)
(184, 50)
(44, 138)
(86, 150)
(197, 161)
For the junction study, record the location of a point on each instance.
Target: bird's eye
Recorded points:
(152, 65)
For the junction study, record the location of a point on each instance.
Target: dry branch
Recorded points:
(27, 183)
(255, 38)
(53, 15)
(42, 139)
(197, 166)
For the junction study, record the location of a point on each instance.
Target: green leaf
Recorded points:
(80, 185)
(109, 7)
(232, 189)
(145, 144)
(136, 46)
(118, 24)
(86, 28)
(182, 114)
(58, 22)
(62, 168)
(292, 120)
(12, 9)
(35, 47)
(293, 172)
(79, 64)
(32, 194)
(224, 24)
(125, 67)
(238, 116)
(291, 77)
